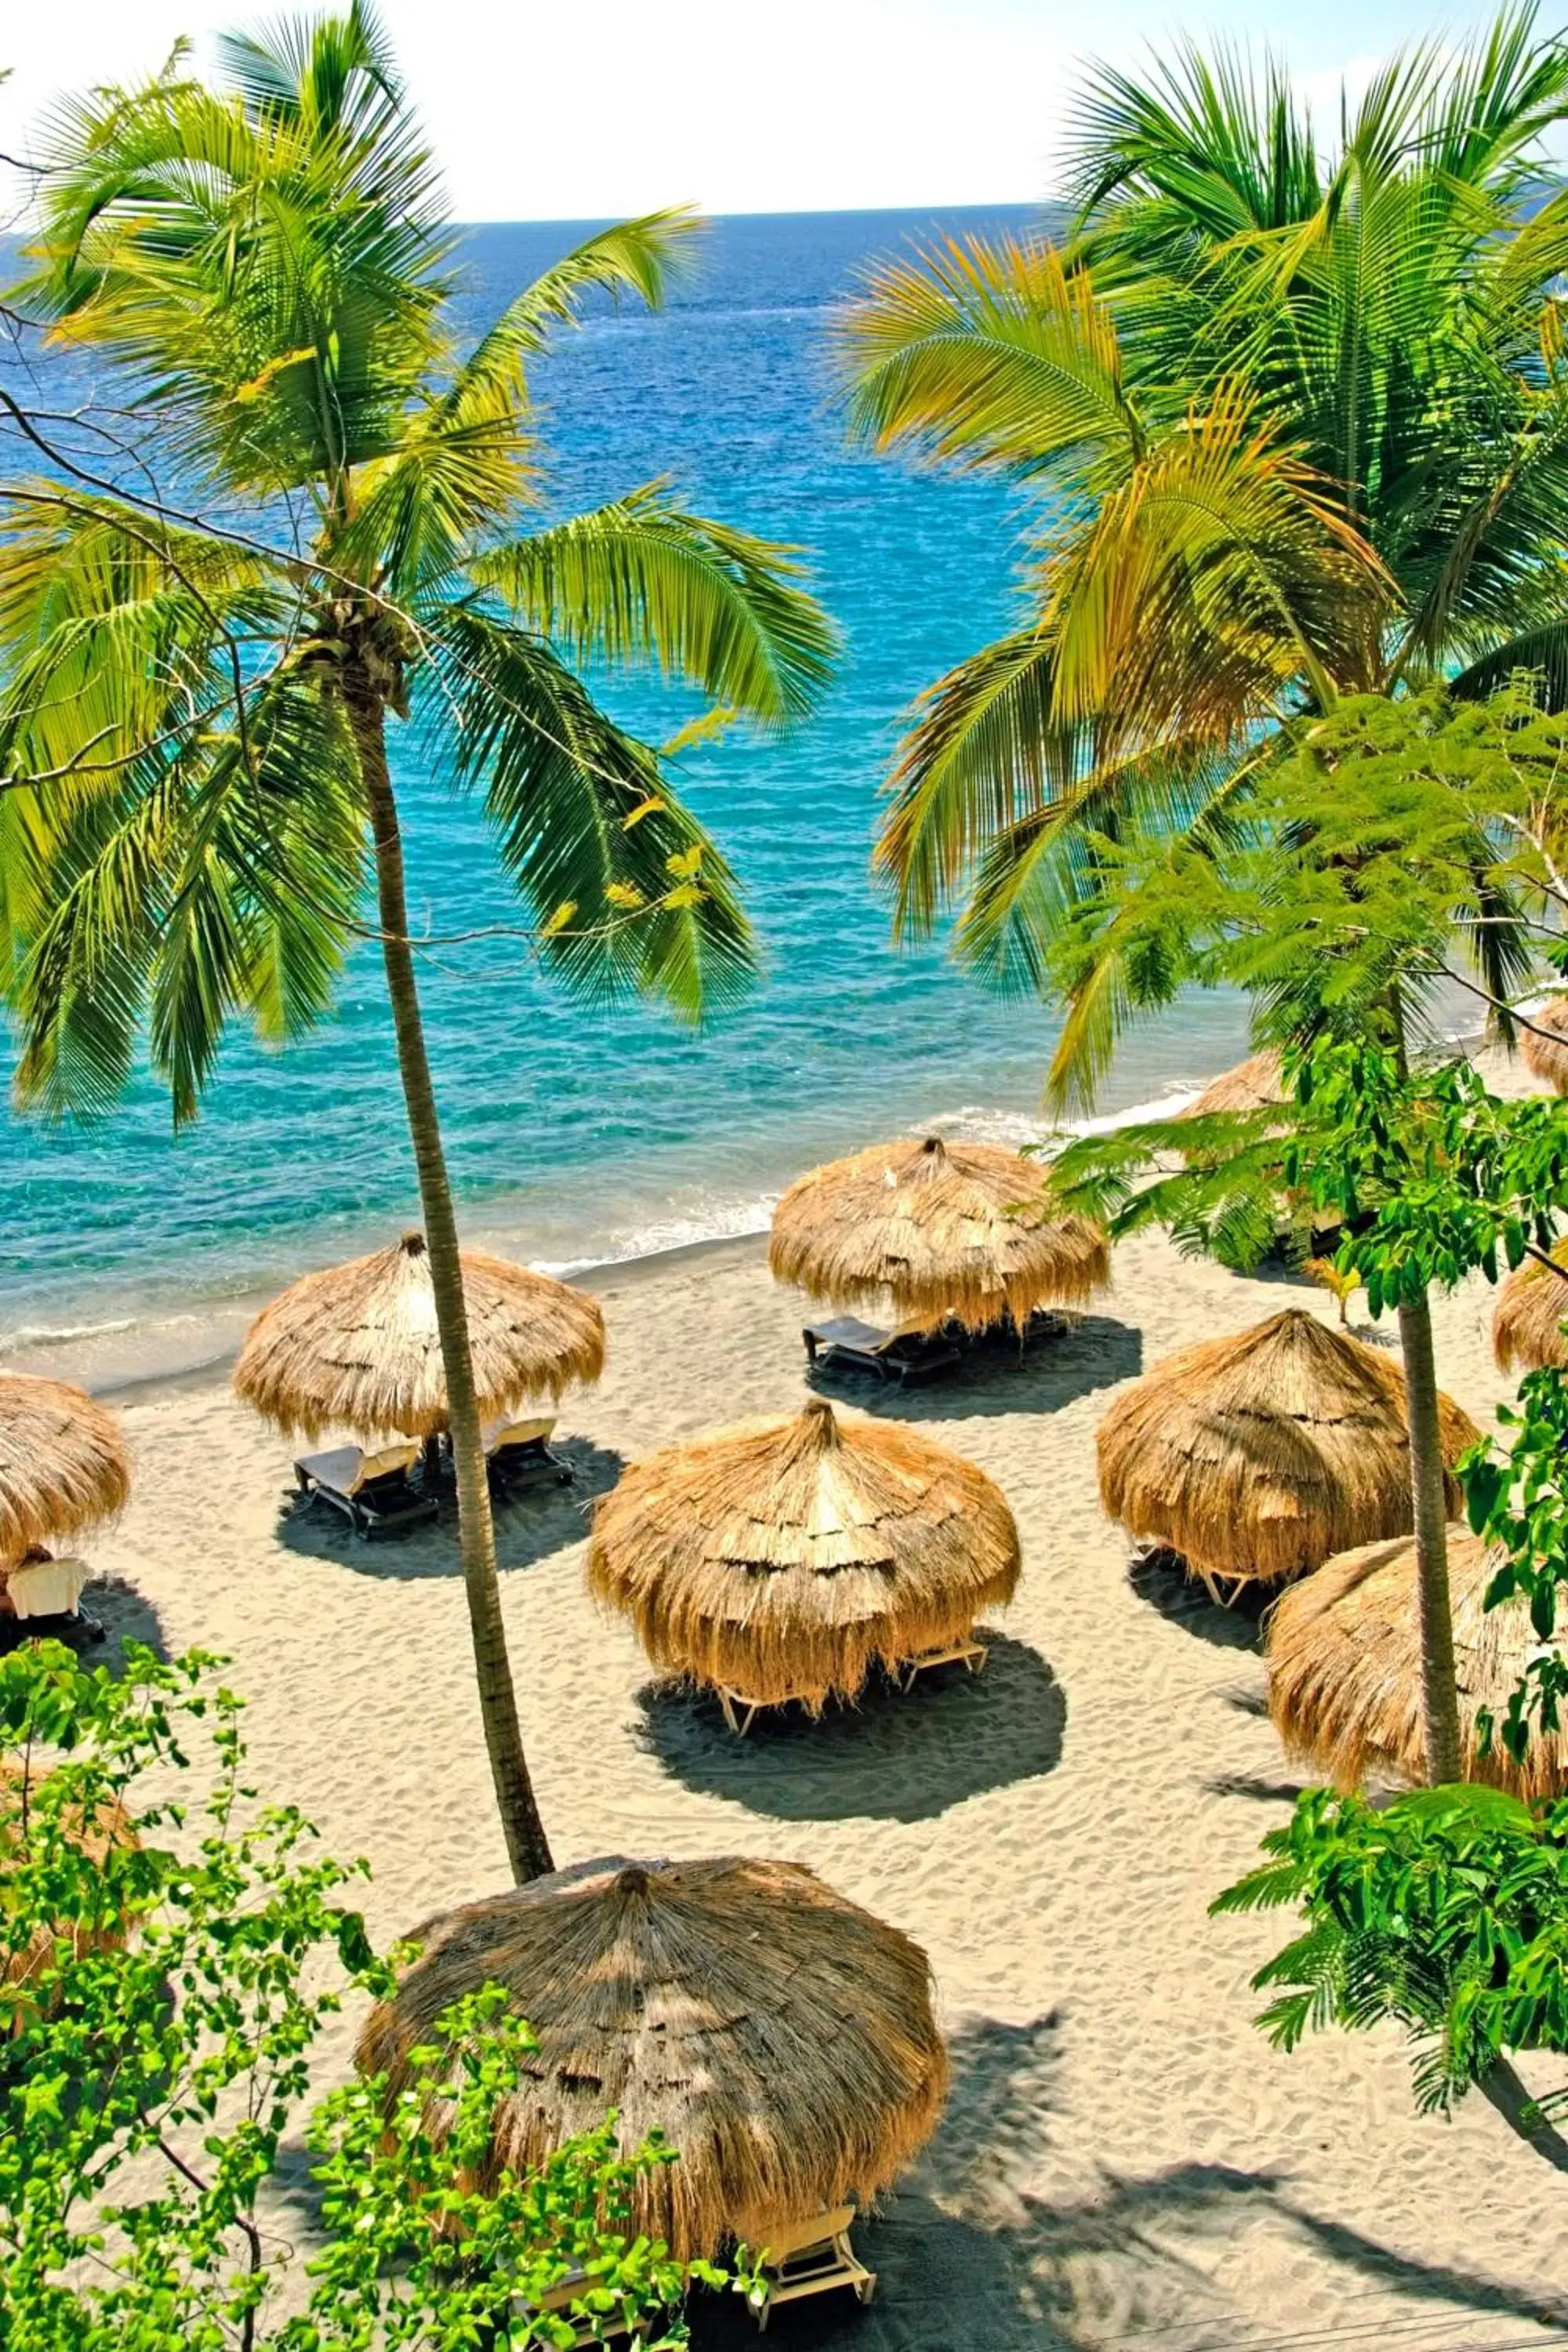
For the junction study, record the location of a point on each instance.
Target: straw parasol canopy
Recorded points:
(786, 1558)
(959, 1231)
(1258, 1456)
(1343, 1652)
(1527, 1319)
(1546, 1057)
(62, 1463)
(1256, 1084)
(356, 1347)
(781, 2038)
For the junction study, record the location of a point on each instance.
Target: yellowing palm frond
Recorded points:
(643, 581)
(1219, 573)
(987, 353)
(1341, 1287)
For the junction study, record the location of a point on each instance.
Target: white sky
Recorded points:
(541, 111)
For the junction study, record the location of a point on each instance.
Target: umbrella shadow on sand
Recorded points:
(890, 1756)
(1161, 1577)
(994, 1378)
(969, 2253)
(125, 1616)
(533, 1525)
(972, 2257)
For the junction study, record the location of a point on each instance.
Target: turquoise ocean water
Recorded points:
(577, 1136)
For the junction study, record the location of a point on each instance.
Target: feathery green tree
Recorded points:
(169, 1956)
(194, 714)
(1385, 849)
(1293, 415)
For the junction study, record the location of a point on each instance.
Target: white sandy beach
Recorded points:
(1124, 2161)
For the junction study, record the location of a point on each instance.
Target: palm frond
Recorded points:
(1497, 101)
(630, 893)
(1216, 575)
(332, 73)
(984, 754)
(643, 581)
(1541, 653)
(220, 880)
(1206, 143)
(268, 274)
(119, 636)
(646, 257)
(464, 456)
(987, 353)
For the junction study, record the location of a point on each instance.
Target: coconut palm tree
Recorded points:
(1290, 416)
(197, 707)
(1293, 415)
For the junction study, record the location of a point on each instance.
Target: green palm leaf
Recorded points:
(629, 893)
(219, 881)
(463, 457)
(643, 581)
(1292, 404)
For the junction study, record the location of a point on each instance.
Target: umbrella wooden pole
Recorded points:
(527, 1846)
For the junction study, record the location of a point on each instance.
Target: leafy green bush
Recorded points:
(1516, 1501)
(167, 1963)
(1446, 1911)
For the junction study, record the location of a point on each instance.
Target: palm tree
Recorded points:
(1294, 417)
(204, 706)
(1294, 421)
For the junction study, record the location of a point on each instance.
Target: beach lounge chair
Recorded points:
(741, 1710)
(965, 1652)
(44, 1595)
(560, 2299)
(518, 1454)
(849, 1345)
(809, 2257)
(46, 1588)
(372, 1490)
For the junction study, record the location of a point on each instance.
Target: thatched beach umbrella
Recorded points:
(96, 1834)
(1343, 1652)
(1545, 1056)
(1258, 1456)
(959, 1231)
(356, 1347)
(1256, 1084)
(1527, 1319)
(63, 1464)
(781, 2038)
(786, 1558)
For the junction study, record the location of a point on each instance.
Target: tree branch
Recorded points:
(1500, 1004)
(1507, 2094)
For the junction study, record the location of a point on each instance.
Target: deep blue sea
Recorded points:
(580, 1135)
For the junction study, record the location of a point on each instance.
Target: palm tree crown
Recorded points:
(1295, 414)
(193, 717)
(269, 269)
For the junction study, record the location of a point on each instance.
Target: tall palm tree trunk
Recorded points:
(527, 1846)
(1439, 1688)
(1429, 1505)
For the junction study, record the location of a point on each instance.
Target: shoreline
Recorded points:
(159, 1348)
(157, 1385)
